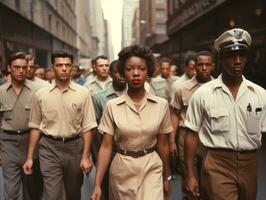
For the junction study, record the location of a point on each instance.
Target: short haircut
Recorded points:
(113, 65)
(204, 53)
(61, 54)
(189, 58)
(16, 55)
(30, 57)
(137, 51)
(100, 57)
(165, 60)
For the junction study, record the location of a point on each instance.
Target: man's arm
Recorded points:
(191, 145)
(175, 117)
(86, 163)
(34, 138)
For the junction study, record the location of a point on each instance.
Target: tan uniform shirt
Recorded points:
(40, 82)
(177, 82)
(15, 109)
(182, 97)
(136, 129)
(95, 85)
(62, 114)
(225, 122)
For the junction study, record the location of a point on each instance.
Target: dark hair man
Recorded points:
(227, 115)
(63, 115)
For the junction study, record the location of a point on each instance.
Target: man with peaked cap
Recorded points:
(227, 116)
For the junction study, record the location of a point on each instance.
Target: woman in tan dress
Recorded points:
(140, 123)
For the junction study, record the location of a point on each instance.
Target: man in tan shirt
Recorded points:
(62, 114)
(204, 66)
(15, 101)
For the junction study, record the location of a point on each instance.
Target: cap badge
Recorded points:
(238, 34)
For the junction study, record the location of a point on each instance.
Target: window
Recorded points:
(50, 22)
(160, 13)
(17, 4)
(160, 29)
(159, 1)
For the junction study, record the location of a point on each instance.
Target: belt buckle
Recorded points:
(19, 132)
(125, 152)
(63, 139)
(145, 151)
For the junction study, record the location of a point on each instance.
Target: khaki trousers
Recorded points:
(60, 167)
(229, 175)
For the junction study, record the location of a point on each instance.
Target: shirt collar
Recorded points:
(27, 84)
(71, 86)
(148, 96)
(220, 84)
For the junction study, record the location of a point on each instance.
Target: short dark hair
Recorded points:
(138, 51)
(112, 65)
(204, 53)
(100, 57)
(31, 57)
(189, 58)
(16, 55)
(165, 60)
(61, 54)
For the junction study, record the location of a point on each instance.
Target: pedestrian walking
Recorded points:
(140, 169)
(62, 117)
(227, 116)
(15, 100)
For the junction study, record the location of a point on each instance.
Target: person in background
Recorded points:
(140, 169)
(76, 75)
(39, 73)
(204, 67)
(101, 79)
(227, 116)
(61, 121)
(15, 100)
(32, 66)
(188, 74)
(173, 70)
(49, 75)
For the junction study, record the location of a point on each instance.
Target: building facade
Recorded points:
(38, 27)
(129, 7)
(153, 17)
(195, 24)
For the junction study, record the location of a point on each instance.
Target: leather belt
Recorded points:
(18, 132)
(233, 151)
(136, 154)
(61, 139)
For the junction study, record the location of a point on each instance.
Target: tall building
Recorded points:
(38, 27)
(152, 19)
(84, 33)
(129, 7)
(98, 25)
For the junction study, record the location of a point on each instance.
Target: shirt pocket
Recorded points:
(219, 118)
(6, 111)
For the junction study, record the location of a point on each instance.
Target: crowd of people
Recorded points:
(133, 119)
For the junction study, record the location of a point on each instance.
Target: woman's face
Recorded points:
(136, 71)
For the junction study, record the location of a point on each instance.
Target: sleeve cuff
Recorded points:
(106, 130)
(88, 128)
(166, 131)
(33, 125)
(191, 126)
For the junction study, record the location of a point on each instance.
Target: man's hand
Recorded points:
(86, 164)
(96, 194)
(173, 149)
(167, 188)
(191, 186)
(27, 167)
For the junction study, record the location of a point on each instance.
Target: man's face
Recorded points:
(62, 69)
(117, 78)
(75, 72)
(31, 69)
(165, 69)
(204, 67)
(190, 69)
(40, 73)
(102, 69)
(18, 70)
(233, 63)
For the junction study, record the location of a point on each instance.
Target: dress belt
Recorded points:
(61, 139)
(18, 132)
(136, 154)
(233, 151)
